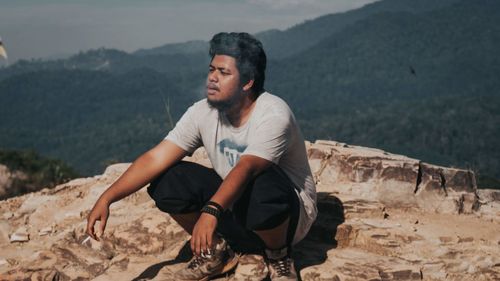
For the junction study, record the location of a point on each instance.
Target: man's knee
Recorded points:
(270, 200)
(178, 189)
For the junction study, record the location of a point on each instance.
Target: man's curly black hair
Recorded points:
(249, 54)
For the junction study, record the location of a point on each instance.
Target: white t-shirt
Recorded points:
(271, 133)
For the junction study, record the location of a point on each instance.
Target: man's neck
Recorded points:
(239, 114)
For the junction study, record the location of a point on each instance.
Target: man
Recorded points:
(260, 194)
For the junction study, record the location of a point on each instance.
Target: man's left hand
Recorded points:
(203, 231)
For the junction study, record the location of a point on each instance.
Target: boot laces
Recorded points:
(282, 266)
(199, 260)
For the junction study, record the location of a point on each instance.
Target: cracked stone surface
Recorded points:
(382, 217)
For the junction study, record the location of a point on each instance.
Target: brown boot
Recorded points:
(221, 260)
(281, 265)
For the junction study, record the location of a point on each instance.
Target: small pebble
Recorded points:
(45, 231)
(20, 235)
(8, 215)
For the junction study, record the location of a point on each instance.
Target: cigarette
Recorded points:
(86, 239)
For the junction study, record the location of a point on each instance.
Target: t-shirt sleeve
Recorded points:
(270, 139)
(186, 133)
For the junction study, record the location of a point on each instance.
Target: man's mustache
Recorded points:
(212, 86)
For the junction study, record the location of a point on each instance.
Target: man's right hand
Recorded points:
(141, 172)
(100, 212)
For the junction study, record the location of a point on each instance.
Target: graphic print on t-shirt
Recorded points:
(231, 151)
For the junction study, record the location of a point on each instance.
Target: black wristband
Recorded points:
(211, 211)
(216, 205)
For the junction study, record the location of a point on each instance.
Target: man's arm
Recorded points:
(230, 190)
(142, 171)
(235, 182)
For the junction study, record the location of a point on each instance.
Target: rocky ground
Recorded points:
(382, 217)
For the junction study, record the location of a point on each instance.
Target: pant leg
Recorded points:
(184, 188)
(268, 201)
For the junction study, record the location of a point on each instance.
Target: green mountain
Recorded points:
(114, 61)
(88, 118)
(412, 77)
(423, 85)
(281, 44)
(190, 47)
(40, 172)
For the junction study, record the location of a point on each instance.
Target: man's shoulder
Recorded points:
(201, 104)
(201, 107)
(273, 105)
(269, 98)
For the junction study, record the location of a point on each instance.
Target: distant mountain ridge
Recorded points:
(278, 44)
(412, 77)
(419, 84)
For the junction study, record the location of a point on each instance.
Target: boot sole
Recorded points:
(230, 265)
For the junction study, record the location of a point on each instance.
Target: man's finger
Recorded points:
(193, 241)
(102, 225)
(197, 244)
(203, 243)
(209, 241)
(90, 227)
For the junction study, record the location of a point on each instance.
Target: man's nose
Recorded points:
(212, 76)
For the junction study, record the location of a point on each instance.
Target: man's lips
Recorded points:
(212, 89)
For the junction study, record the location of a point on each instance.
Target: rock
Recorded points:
(433, 271)
(445, 239)
(371, 174)
(146, 236)
(20, 235)
(7, 215)
(381, 217)
(367, 173)
(251, 268)
(5, 230)
(405, 272)
(114, 171)
(45, 231)
(32, 202)
(7, 178)
(488, 195)
(465, 239)
(444, 190)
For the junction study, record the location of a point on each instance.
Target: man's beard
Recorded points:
(224, 105)
(220, 105)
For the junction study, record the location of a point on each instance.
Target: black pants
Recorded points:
(267, 201)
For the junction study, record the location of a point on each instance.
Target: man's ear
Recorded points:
(248, 85)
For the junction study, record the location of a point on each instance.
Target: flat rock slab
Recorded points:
(381, 217)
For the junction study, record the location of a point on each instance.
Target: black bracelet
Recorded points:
(211, 211)
(216, 205)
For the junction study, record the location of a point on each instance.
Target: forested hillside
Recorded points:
(89, 118)
(424, 85)
(38, 172)
(411, 77)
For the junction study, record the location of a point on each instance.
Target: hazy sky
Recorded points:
(46, 28)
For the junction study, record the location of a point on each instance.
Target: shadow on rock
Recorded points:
(151, 272)
(321, 238)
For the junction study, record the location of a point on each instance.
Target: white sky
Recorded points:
(46, 28)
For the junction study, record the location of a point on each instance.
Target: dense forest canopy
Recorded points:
(412, 77)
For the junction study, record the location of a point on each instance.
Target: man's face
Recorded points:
(223, 82)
